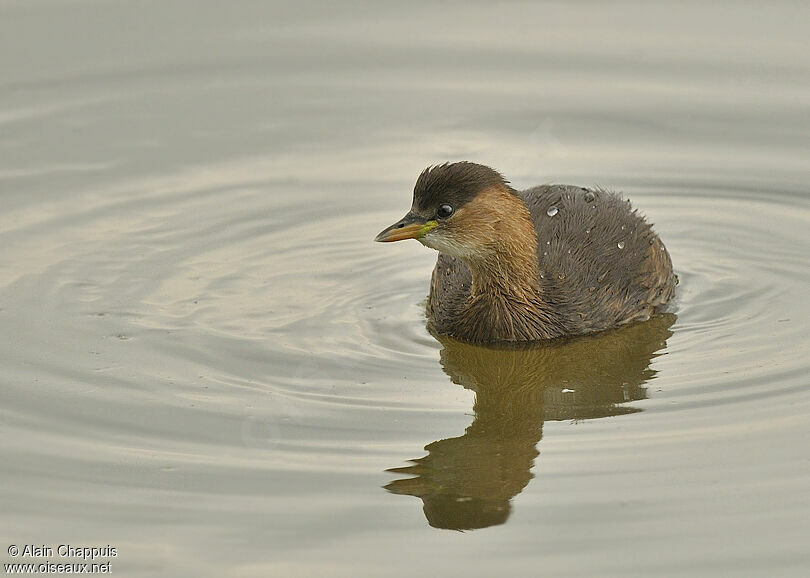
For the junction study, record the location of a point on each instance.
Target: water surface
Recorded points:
(208, 364)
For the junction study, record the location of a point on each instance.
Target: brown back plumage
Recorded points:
(600, 265)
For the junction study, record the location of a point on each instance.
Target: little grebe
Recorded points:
(551, 261)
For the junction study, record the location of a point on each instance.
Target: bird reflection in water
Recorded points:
(467, 482)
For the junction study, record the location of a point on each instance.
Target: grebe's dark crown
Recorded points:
(454, 183)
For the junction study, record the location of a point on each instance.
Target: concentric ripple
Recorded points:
(294, 297)
(218, 341)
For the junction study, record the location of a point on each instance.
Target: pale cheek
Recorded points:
(448, 245)
(440, 242)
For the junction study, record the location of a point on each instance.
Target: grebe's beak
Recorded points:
(411, 226)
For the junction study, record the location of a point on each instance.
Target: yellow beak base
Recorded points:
(407, 228)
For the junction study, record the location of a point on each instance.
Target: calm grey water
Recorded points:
(208, 364)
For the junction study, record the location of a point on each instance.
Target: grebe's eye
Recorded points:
(444, 211)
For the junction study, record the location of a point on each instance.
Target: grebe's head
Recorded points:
(457, 209)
